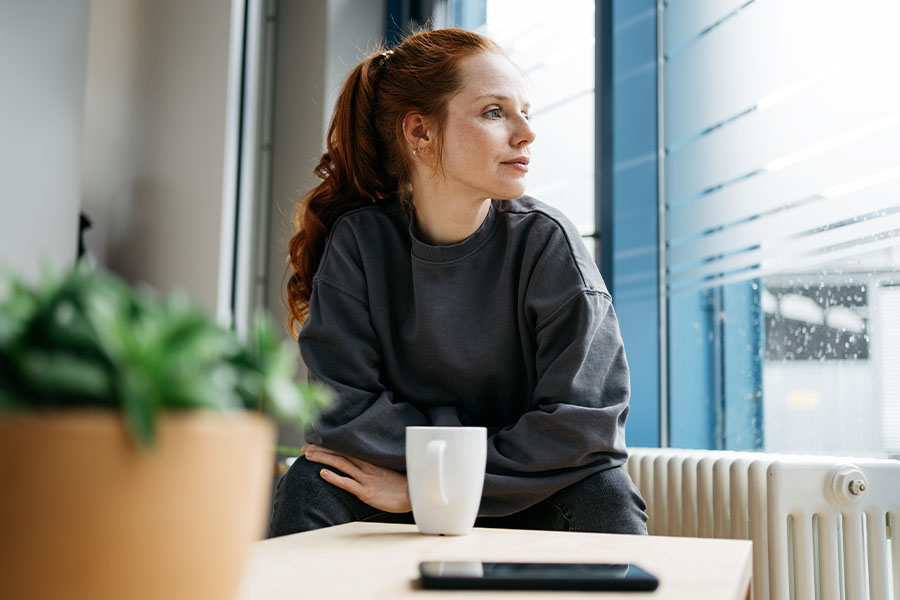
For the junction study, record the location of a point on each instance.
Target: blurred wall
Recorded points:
(318, 43)
(154, 141)
(43, 49)
(120, 111)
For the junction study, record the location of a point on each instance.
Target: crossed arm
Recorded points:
(381, 488)
(578, 420)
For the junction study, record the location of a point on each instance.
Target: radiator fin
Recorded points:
(822, 527)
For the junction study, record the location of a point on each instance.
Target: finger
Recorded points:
(319, 451)
(323, 451)
(334, 459)
(345, 483)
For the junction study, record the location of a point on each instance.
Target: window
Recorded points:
(782, 203)
(562, 113)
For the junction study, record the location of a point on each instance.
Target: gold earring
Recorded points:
(418, 151)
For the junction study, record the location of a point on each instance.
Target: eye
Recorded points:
(494, 113)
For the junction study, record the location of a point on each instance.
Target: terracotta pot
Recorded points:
(85, 514)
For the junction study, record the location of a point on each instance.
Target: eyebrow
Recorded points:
(502, 98)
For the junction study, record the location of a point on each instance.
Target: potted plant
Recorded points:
(135, 458)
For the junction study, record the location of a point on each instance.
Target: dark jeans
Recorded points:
(605, 502)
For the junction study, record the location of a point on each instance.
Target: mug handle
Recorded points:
(434, 453)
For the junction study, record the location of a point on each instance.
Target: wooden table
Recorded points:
(380, 561)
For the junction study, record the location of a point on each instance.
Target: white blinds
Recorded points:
(889, 366)
(554, 46)
(781, 135)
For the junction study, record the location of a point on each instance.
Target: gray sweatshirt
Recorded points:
(511, 329)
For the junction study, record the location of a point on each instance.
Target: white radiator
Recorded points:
(820, 526)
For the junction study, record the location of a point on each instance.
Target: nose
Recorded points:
(524, 134)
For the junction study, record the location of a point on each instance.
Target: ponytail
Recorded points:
(352, 176)
(365, 160)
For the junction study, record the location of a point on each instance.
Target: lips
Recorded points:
(519, 163)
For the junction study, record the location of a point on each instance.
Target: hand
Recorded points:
(378, 487)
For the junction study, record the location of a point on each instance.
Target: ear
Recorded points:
(417, 131)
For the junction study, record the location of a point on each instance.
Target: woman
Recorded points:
(432, 292)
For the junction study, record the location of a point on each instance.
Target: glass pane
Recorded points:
(782, 194)
(562, 82)
(831, 380)
(806, 360)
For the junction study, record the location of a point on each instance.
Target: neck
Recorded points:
(444, 218)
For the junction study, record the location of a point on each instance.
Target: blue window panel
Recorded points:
(716, 353)
(641, 335)
(632, 224)
(626, 10)
(715, 336)
(743, 353)
(692, 396)
(634, 47)
(634, 129)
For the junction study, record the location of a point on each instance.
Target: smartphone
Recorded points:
(535, 576)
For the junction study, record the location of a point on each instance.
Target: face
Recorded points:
(486, 136)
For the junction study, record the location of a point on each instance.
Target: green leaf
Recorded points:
(85, 338)
(10, 401)
(139, 407)
(16, 310)
(65, 376)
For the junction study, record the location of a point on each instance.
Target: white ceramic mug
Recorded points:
(445, 470)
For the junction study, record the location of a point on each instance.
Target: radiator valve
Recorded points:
(848, 485)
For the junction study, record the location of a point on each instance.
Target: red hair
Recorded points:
(365, 160)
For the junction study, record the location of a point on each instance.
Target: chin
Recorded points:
(507, 196)
(509, 193)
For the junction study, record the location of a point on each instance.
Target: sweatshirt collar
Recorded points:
(459, 250)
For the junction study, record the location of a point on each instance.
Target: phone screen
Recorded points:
(533, 576)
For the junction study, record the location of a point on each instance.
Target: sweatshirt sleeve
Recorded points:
(339, 347)
(581, 398)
